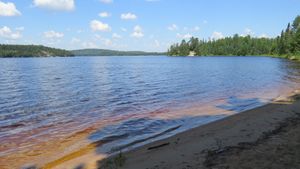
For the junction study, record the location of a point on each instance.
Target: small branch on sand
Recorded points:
(158, 146)
(213, 155)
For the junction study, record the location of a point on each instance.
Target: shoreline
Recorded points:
(91, 158)
(62, 154)
(295, 58)
(189, 149)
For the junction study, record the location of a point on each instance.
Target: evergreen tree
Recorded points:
(184, 48)
(193, 43)
(288, 44)
(297, 42)
(296, 24)
(31, 51)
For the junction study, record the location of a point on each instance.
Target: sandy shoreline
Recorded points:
(191, 148)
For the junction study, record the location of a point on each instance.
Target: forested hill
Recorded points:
(286, 45)
(31, 51)
(43, 51)
(106, 52)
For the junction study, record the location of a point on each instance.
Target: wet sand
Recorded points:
(239, 140)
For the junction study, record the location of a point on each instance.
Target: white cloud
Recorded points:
(184, 36)
(104, 14)
(137, 32)
(108, 42)
(89, 45)
(217, 35)
(263, 36)
(196, 28)
(99, 26)
(63, 5)
(116, 36)
(106, 1)
(7, 33)
(138, 28)
(173, 27)
(205, 22)
(99, 37)
(53, 35)
(75, 40)
(104, 41)
(128, 16)
(8, 9)
(247, 32)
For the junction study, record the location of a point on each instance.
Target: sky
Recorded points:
(148, 25)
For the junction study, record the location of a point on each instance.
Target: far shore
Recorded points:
(237, 140)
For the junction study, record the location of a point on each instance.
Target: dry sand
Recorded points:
(264, 137)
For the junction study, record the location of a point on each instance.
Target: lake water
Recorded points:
(123, 102)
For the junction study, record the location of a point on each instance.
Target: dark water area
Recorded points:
(130, 100)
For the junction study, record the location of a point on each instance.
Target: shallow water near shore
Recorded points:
(122, 102)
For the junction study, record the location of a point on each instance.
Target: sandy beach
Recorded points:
(258, 138)
(264, 137)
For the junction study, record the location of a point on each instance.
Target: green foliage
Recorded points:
(296, 23)
(105, 52)
(42, 51)
(296, 41)
(31, 51)
(115, 162)
(287, 44)
(235, 45)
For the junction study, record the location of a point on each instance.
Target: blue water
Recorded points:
(129, 99)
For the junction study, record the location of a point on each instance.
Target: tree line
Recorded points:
(287, 44)
(31, 51)
(43, 51)
(106, 52)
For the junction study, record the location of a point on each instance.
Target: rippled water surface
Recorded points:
(124, 101)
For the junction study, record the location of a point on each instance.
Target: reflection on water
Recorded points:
(127, 100)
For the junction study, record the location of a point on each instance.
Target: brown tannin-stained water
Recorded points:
(55, 109)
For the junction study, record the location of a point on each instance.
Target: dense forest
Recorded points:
(42, 51)
(106, 52)
(285, 45)
(31, 51)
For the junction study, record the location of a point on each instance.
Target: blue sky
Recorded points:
(150, 25)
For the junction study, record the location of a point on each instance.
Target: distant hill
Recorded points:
(31, 51)
(7, 50)
(106, 52)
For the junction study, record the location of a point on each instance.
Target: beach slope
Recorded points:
(266, 136)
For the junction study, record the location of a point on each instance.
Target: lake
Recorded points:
(51, 106)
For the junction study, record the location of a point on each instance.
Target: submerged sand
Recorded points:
(264, 137)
